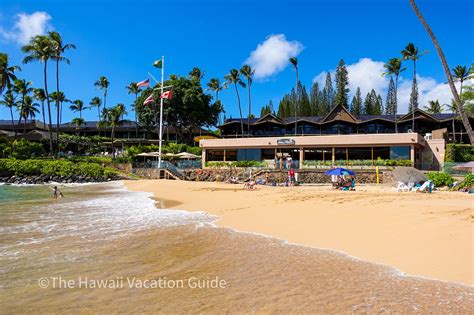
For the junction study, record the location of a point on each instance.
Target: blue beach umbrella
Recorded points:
(339, 171)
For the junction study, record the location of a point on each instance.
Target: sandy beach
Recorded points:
(429, 235)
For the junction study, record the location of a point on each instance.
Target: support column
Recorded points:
(372, 155)
(412, 155)
(347, 155)
(333, 156)
(203, 158)
(301, 157)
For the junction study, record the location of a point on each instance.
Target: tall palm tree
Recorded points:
(10, 102)
(133, 88)
(40, 49)
(461, 74)
(7, 72)
(294, 62)
(28, 109)
(394, 67)
(233, 77)
(215, 85)
(78, 121)
(247, 72)
(103, 84)
(41, 96)
(411, 53)
(457, 99)
(58, 50)
(77, 106)
(23, 88)
(112, 119)
(434, 107)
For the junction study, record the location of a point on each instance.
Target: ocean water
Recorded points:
(104, 249)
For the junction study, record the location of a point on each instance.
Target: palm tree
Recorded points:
(434, 107)
(96, 102)
(59, 98)
(411, 53)
(112, 119)
(40, 96)
(233, 77)
(7, 72)
(77, 106)
(394, 67)
(196, 74)
(103, 84)
(461, 73)
(294, 62)
(133, 88)
(23, 88)
(215, 85)
(457, 99)
(247, 72)
(28, 109)
(58, 50)
(10, 102)
(78, 121)
(40, 49)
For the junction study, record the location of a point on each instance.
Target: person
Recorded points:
(291, 177)
(267, 178)
(57, 193)
(289, 161)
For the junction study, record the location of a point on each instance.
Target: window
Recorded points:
(400, 153)
(249, 155)
(215, 155)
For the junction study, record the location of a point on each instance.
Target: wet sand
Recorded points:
(428, 235)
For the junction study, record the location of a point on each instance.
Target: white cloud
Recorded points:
(367, 74)
(27, 26)
(271, 56)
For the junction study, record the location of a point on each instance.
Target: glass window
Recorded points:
(400, 153)
(215, 155)
(249, 155)
(231, 155)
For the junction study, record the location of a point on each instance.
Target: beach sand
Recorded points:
(428, 235)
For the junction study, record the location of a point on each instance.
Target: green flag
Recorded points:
(158, 64)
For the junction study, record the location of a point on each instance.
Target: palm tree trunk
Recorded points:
(11, 115)
(395, 110)
(58, 105)
(136, 116)
(50, 124)
(250, 110)
(20, 117)
(413, 105)
(112, 136)
(240, 109)
(42, 112)
(105, 98)
(24, 124)
(457, 99)
(297, 99)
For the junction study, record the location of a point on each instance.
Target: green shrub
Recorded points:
(378, 162)
(468, 182)
(440, 179)
(218, 164)
(90, 159)
(54, 168)
(459, 152)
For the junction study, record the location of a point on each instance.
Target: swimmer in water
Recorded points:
(57, 193)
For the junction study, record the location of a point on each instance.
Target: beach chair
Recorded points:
(426, 187)
(402, 187)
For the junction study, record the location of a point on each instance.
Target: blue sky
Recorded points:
(120, 40)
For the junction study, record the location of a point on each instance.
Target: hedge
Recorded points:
(440, 179)
(54, 168)
(459, 152)
(378, 162)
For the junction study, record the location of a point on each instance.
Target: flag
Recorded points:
(158, 63)
(167, 94)
(145, 83)
(149, 99)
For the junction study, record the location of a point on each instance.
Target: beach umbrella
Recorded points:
(339, 171)
(468, 167)
(186, 155)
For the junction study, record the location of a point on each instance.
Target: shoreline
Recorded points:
(420, 243)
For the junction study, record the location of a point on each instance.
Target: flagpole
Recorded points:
(161, 109)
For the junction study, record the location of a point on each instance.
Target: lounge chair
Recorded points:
(426, 187)
(402, 187)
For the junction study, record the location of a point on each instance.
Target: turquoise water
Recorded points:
(11, 193)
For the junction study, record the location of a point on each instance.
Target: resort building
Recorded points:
(127, 132)
(337, 138)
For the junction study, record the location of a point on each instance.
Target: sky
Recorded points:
(121, 39)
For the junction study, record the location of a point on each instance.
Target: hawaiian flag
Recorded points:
(149, 99)
(167, 95)
(145, 83)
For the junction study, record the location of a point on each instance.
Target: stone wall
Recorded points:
(305, 176)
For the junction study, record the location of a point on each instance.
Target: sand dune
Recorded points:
(429, 235)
